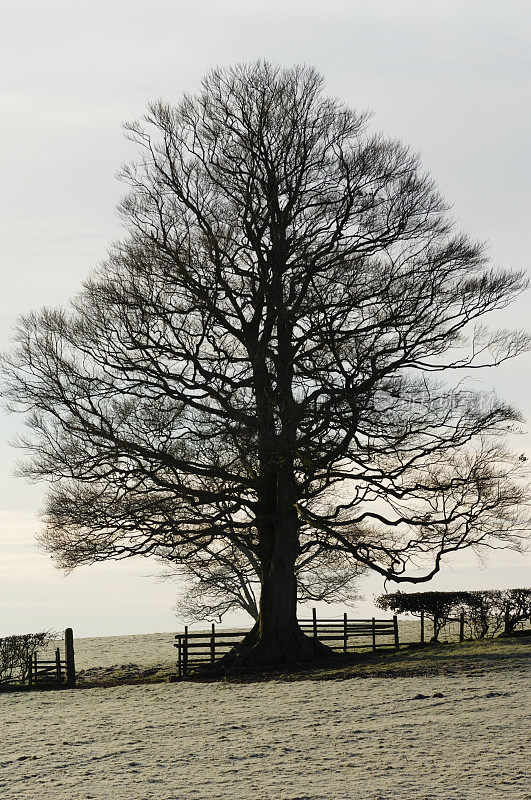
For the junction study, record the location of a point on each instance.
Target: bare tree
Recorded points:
(517, 608)
(255, 365)
(217, 580)
(210, 594)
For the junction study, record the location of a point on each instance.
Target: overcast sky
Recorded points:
(450, 78)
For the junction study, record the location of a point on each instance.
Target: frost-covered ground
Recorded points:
(457, 735)
(147, 649)
(439, 738)
(105, 651)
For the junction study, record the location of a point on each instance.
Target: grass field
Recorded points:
(437, 723)
(474, 657)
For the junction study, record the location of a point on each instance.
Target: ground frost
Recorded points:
(385, 739)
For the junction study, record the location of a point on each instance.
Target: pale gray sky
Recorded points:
(452, 79)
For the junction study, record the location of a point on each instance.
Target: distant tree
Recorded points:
(492, 611)
(253, 366)
(485, 612)
(218, 581)
(517, 608)
(213, 585)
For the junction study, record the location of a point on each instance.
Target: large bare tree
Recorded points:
(257, 366)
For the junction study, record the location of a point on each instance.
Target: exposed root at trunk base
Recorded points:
(267, 650)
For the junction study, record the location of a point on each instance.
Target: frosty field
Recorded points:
(147, 649)
(360, 739)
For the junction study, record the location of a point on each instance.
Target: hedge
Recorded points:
(487, 612)
(16, 652)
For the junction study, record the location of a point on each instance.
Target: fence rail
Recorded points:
(346, 635)
(56, 672)
(46, 672)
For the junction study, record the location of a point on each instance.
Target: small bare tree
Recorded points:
(517, 608)
(218, 581)
(255, 365)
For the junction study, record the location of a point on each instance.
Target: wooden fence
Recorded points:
(346, 635)
(57, 671)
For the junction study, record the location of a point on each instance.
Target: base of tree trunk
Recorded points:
(258, 651)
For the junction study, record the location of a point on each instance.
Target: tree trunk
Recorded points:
(276, 638)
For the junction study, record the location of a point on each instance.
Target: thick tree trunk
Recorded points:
(276, 637)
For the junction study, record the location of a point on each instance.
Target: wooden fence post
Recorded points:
(30, 670)
(35, 668)
(58, 674)
(213, 644)
(507, 618)
(373, 635)
(179, 656)
(462, 626)
(185, 651)
(69, 658)
(422, 627)
(314, 621)
(395, 626)
(345, 632)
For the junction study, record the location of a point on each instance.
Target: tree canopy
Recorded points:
(255, 371)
